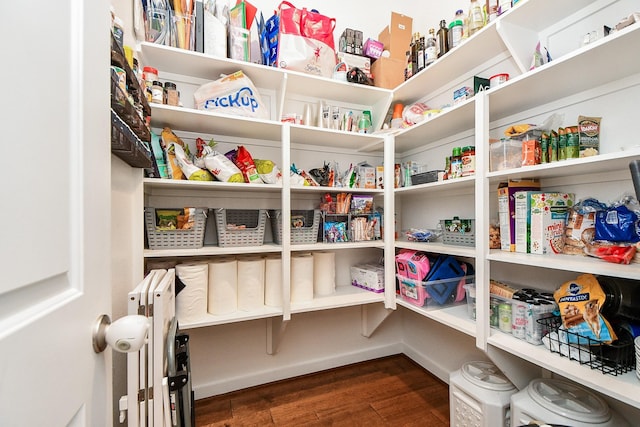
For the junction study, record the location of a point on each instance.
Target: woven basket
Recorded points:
(254, 221)
(299, 235)
(175, 239)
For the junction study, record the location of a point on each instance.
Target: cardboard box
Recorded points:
(506, 209)
(380, 177)
(396, 37)
(523, 218)
(368, 276)
(388, 73)
(366, 177)
(548, 221)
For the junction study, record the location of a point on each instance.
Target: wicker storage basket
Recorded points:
(299, 235)
(175, 239)
(254, 221)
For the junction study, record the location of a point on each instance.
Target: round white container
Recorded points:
(498, 79)
(479, 396)
(556, 401)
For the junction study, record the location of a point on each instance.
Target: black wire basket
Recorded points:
(616, 358)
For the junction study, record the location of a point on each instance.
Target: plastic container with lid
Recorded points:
(479, 396)
(172, 97)
(556, 401)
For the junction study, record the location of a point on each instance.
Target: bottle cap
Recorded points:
(456, 151)
(148, 69)
(397, 111)
(169, 85)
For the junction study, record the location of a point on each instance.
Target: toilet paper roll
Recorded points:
(250, 283)
(191, 302)
(301, 277)
(223, 286)
(273, 281)
(324, 273)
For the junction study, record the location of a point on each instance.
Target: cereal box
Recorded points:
(506, 209)
(548, 220)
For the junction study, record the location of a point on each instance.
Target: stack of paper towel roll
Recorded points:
(312, 275)
(223, 285)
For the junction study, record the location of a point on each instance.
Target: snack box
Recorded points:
(368, 276)
(548, 220)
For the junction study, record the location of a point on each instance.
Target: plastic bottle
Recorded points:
(396, 118)
(443, 41)
(476, 17)
(456, 30)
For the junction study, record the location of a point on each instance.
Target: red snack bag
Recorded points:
(245, 163)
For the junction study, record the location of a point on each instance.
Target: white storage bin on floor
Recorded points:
(479, 396)
(556, 401)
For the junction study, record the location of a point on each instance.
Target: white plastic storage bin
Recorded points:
(479, 396)
(556, 401)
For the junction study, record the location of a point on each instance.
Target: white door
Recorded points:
(54, 199)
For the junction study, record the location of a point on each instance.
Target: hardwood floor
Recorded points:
(392, 391)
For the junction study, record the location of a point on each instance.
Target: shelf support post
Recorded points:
(275, 329)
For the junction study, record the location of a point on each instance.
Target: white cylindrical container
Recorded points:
(324, 273)
(479, 396)
(556, 401)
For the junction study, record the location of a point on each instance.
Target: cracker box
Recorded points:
(548, 221)
(506, 209)
(368, 276)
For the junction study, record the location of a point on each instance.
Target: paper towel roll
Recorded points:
(250, 283)
(273, 281)
(223, 286)
(324, 273)
(191, 302)
(301, 277)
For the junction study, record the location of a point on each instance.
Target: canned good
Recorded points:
(537, 310)
(493, 312)
(504, 317)
(519, 319)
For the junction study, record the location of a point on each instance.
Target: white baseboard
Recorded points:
(426, 362)
(252, 379)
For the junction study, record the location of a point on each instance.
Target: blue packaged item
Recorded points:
(617, 224)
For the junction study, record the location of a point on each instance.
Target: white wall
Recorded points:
(368, 16)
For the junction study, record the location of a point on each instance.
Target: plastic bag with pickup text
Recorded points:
(233, 94)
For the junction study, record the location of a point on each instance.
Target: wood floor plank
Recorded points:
(391, 391)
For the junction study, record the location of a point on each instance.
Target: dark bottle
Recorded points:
(408, 71)
(421, 51)
(415, 45)
(622, 298)
(443, 39)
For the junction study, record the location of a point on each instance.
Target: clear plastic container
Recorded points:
(505, 154)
